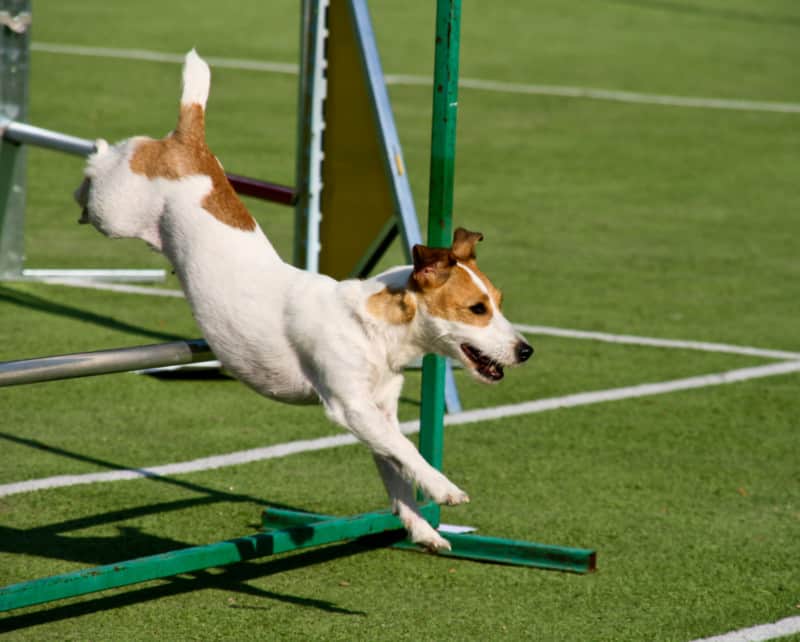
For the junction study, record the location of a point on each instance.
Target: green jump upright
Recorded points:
(440, 206)
(440, 217)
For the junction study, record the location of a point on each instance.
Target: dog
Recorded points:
(292, 335)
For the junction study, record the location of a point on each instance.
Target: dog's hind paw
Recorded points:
(436, 544)
(425, 535)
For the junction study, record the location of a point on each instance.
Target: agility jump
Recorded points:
(433, 265)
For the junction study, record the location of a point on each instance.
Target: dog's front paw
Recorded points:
(443, 491)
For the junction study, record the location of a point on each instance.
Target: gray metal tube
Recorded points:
(86, 364)
(40, 137)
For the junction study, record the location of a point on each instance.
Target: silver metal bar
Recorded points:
(23, 133)
(95, 275)
(86, 364)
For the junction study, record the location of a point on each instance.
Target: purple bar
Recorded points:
(263, 190)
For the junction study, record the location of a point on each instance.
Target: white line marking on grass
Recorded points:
(627, 392)
(160, 56)
(115, 287)
(408, 427)
(658, 343)
(565, 91)
(465, 83)
(629, 339)
(778, 629)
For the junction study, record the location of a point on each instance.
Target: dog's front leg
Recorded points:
(370, 425)
(401, 492)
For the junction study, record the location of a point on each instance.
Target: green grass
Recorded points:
(637, 219)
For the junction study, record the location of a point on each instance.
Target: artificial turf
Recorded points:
(630, 218)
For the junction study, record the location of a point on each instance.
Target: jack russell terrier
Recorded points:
(292, 335)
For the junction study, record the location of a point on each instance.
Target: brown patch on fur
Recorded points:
(448, 291)
(185, 153)
(394, 306)
(453, 300)
(464, 242)
(432, 266)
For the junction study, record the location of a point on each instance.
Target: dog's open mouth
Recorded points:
(485, 366)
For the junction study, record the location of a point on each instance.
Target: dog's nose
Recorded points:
(524, 351)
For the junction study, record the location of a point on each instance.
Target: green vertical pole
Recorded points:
(440, 207)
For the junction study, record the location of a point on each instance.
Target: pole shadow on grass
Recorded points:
(131, 542)
(230, 578)
(24, 299)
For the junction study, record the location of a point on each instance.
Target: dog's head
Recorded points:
(461, 309)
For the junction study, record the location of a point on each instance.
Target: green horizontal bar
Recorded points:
(470, 546)
(195, 558)
(507, 551)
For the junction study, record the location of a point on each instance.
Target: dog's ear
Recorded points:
(464, 244)
(432, 266)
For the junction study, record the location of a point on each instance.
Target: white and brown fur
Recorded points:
(292, 335)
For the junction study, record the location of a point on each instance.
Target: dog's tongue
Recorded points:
(493, 371)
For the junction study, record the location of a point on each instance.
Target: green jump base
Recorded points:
(295, 530)
(196, 558)
(470, 546)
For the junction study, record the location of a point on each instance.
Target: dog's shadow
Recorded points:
(55, 541)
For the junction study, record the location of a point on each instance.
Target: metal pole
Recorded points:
(440, 206)
(23, 133)
(14, 67)
(86, 364)
(263, 190)
(310, 130)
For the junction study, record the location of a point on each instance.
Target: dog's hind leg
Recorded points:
(401, 492)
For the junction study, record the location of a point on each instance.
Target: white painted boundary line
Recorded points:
(115, 287)
(159, 56)
(567, 333)
(409, 427)
(627, 392)
(778, 629)
(657, 343)
(565, 91)
(465, 83)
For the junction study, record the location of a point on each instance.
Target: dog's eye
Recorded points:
(478, 308)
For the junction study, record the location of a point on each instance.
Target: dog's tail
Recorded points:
(196, 80)
(196, 85)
